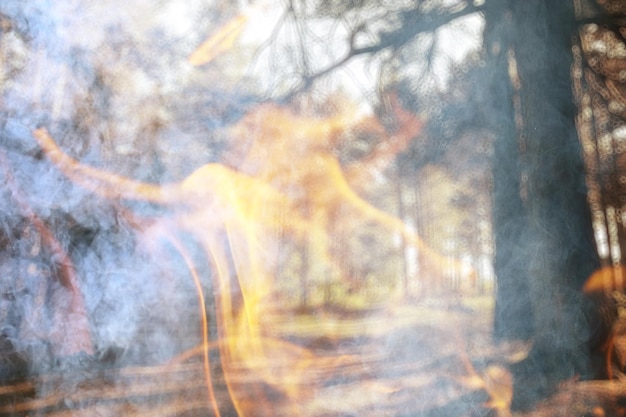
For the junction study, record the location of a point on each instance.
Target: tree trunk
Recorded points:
(542, 220)
(510, 219)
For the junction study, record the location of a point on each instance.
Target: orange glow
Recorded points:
(282, 181)
(220, 42)
(609, 281)
(605, 279)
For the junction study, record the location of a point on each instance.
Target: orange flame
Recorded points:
(609, 281)
(605, 279)
(287, 181)
(220, 42)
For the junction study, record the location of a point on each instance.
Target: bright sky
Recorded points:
(454, 42)
(177, 17)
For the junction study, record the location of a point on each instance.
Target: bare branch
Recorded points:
(414, 22)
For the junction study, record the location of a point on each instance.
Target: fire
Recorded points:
(224, 38)
(607, 283)
(220, 42)
(606, 279)
(281, 181)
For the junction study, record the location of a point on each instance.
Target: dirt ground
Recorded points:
(424, 358)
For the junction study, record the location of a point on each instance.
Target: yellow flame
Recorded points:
(287, 181)
(219, 42)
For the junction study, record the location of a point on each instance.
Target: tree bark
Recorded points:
(510, 218)
(542, 220)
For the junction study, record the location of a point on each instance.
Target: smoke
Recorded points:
(76, 66)
(190, 187)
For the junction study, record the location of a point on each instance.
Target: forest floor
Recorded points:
(427, 358)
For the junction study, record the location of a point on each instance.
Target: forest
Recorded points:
(312, 207)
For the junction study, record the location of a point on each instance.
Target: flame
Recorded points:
(219, 42)
(283, 180)
(605, 279)
(609, 281)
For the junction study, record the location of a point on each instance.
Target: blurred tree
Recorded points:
(517, 89)
(544, 239)
(544, 246)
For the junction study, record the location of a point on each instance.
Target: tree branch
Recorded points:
(414, 23)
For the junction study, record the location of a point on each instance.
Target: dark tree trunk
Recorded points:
(544, 238)
(510, 218)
